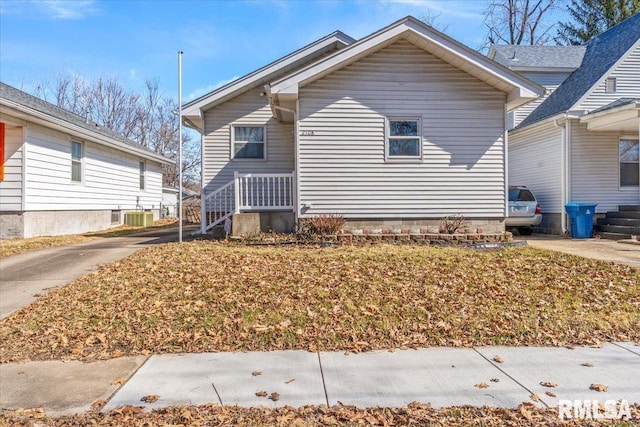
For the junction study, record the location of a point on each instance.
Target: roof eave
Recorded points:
(12, 108)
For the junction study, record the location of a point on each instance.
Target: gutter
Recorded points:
(67, 127)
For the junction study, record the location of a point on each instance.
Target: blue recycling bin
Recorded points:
(581, 215)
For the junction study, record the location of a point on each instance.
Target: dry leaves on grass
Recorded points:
(414, 414)
(207, 296)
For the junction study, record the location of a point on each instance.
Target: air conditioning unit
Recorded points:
(138, 219)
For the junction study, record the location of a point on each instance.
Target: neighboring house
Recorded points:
(61, 174)
(400, 128)
(581, 143)
(169, 202)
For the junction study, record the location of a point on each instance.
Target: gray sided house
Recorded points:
(401, 127)
(61, 174)
(580, 144)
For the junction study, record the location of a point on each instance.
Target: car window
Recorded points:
(517, 195)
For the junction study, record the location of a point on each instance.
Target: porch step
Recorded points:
(614, 236)
(624, 214)
(631, 230)
(629, 208)
(624, 221)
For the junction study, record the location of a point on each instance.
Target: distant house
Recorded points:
(61, 174)
(399, 128)
(581, 143)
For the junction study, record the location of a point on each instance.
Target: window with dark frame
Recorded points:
(629, 163)
(404, 138)
(249, 142)
(76, 161)
(143, 170)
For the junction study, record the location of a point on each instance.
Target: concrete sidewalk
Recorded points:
(440, 376)
(620, 252)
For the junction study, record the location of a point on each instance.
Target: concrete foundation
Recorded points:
(551, 224)
(55, 223)
(11, 225)
(244, 224)
(474, 225)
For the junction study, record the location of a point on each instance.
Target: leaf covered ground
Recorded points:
(11, 247)
(207, 297)
(414, 414)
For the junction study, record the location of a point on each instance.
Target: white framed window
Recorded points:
(143, 172)
(403, 138)
(629, 152)
(76, 161)
(248, 142)
(610, 85)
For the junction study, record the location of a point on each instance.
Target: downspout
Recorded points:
(506, 165)
(296, 193)
(563, 171)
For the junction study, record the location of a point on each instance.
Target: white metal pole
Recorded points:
(180, 146)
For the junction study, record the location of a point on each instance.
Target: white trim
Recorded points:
(232, 153)
(419, 138)
(605, 75)
(24, 167)
(505, 158)
(262, 75)
(519, 89)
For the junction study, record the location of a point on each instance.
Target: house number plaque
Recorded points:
(307, 133)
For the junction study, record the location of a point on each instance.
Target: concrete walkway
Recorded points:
(600, 249)
(24, 278)
(440, 376)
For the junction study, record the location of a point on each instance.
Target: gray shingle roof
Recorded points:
(19, 97)
(519, 57)
(617, 103)
(602, 52)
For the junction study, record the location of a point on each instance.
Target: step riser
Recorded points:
(629, 208)
(628, 222)
(614, 236)
(619, 229)
(625, 214)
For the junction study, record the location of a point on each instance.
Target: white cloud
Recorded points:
(66, 9)
(204, 90)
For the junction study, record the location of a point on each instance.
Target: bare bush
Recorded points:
(321, 225)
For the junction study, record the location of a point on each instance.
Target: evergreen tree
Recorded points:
(592, 17)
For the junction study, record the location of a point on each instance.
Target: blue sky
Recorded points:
(222, 40)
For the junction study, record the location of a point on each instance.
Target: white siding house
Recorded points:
(63, 175)
(404, 126)
(582, 143)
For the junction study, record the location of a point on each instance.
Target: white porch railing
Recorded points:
(247, 193)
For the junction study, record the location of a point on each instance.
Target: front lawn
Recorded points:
(208, 296)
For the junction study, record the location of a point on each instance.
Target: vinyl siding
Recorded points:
(595, 170)
(550, 81)
(110, 177)
(11, 186)
(248, 109)
(342, 165)
(627, 75)
(535, 160)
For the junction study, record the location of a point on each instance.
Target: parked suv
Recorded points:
(524, 210)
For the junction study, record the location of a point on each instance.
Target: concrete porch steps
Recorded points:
(620, 225)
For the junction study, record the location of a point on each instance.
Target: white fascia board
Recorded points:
(409, 25)
(262, 75)
(31, 115)
(613, 117)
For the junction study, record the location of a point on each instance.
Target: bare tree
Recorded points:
(431, 19)
(519, 22)
(148, 118)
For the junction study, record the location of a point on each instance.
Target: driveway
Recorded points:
(24, 278)
(600, 249)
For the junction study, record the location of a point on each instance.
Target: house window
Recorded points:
(404, 139)
(76, 161)
(143, 171)
(629, 163)
(248, 142)
(610, 85)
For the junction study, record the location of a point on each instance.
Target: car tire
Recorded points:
(525, 231)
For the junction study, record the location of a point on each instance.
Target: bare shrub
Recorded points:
(321, 225)
(451, 224)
